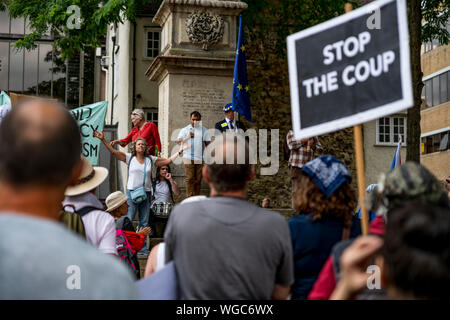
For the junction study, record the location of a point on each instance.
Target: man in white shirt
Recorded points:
(99, 225)
(198, 138)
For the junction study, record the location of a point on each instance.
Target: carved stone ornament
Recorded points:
(204, 28)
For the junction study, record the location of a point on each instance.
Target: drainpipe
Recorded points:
(113, 38)
(134, 66)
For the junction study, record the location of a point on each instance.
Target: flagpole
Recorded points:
(357, 134)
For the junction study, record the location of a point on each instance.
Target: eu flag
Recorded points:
(241, 90)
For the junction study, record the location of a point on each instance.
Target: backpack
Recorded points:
(125, 252)
(73, 221)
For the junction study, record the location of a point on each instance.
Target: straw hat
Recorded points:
(90, 178)
(115, 200)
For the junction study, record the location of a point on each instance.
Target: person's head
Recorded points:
(161, 172)
(139, 146)
(137, 117)
(324, 190)
(230, 173)
(228, 111)
(408, 182)
(265, 203)
(195, 118)
(416, 252)
(116, 204)
(40, 146)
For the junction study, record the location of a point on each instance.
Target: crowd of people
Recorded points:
(220, 246)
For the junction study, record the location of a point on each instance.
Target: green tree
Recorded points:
(282, 18)
(57, 17)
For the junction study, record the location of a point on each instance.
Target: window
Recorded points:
(436, 142)
(390, 129)
(443, 86)
(436, 90)
(153, 42)
(152, 116)
(4, 21)
(17, 26)
(4, 63)
(41, 71)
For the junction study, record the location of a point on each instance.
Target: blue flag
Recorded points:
(241, 90)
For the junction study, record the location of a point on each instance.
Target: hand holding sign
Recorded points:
(98, 135)
(114, 142)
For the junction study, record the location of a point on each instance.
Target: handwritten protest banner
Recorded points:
(90, 118)
(343, 73)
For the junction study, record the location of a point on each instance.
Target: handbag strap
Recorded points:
(145, 167)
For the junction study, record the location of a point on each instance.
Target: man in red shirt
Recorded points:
(147, 130)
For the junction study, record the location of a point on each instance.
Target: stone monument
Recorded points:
(195, 68)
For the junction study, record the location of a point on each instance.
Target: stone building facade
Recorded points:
(138, 76)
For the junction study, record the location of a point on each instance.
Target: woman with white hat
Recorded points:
(80, 198)
(139, 185)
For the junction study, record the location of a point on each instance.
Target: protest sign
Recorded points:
(4, 98)
(90, 118)
(343, 73)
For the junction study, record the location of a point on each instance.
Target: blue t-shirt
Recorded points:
(312, 243)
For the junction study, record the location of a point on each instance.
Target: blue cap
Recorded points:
(228, 107)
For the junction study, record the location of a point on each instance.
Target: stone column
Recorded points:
(195, 68)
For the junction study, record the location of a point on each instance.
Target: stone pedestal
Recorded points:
(195, 69)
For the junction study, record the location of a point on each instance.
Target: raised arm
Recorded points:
(166, 161)
(119, 155)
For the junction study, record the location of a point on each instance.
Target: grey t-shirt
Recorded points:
(41, 259)
(227, 248)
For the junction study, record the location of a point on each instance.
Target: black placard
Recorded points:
(350, 70)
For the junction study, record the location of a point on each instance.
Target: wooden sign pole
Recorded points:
(357, 130)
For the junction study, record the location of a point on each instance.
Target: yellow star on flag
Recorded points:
(239, 86)
(243, 48)
(247, 88)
